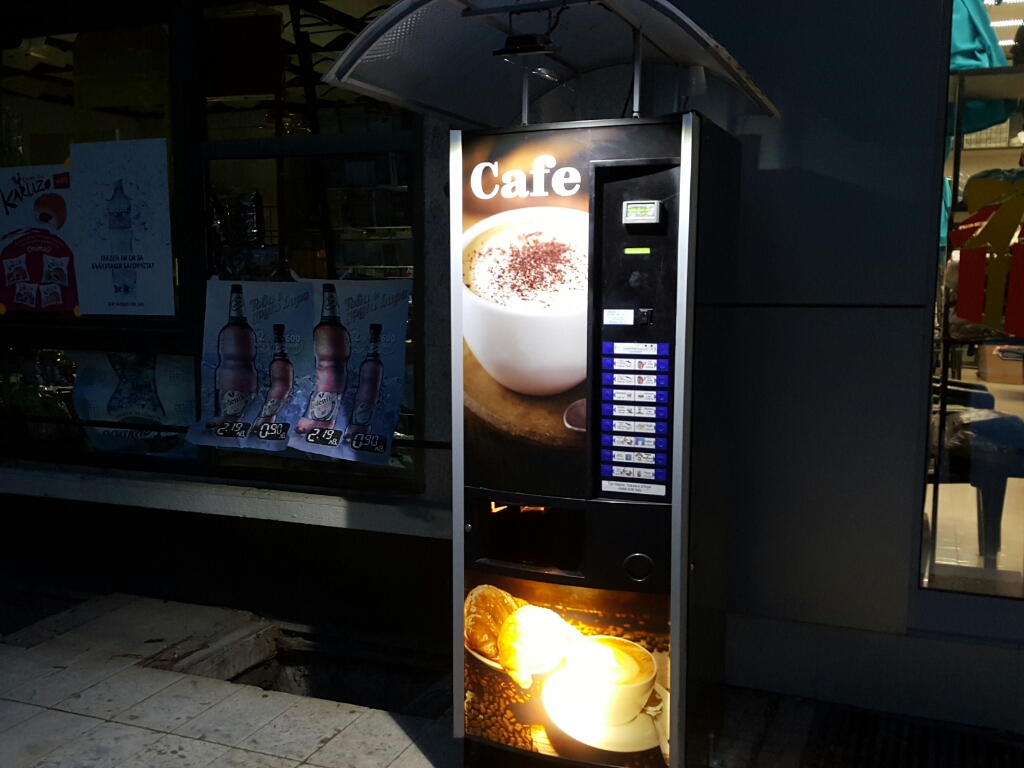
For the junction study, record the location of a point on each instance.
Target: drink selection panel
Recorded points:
(633, 342)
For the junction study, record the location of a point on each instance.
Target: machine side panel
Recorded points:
(458, 438)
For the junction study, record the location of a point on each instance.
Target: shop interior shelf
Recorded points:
(989, 84)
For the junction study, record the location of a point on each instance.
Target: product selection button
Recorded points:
(648, 380)
(624, 395)
(661, 397)
(650, 411)
(634, 441)
(633, 348)
(642, 364)
(642, 396)
(608, 409)
(633, 457)
(637, 473)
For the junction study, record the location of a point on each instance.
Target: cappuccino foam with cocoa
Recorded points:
(529, 267)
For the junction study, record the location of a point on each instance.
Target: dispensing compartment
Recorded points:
(529, 538)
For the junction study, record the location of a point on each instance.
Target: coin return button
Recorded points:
(638, 566)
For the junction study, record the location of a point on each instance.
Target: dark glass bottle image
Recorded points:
(282, 378)
(235, 380)
(371, 376)
(332, 348)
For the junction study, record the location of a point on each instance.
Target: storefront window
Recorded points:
(264, 67)
(276, 200)
(974, 502)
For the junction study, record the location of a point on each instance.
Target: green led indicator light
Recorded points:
(637, 250)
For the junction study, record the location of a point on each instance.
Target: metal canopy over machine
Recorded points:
(451, 58)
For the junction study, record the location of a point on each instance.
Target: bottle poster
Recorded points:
(122, 232)
(39, 273)
(138, 392)
(314, 366)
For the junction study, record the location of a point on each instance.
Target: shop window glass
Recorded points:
(973, 538)
(335, 217)
(264, 67)
(69, 394)
(99, 100)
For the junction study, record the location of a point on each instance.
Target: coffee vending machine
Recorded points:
(588, 612)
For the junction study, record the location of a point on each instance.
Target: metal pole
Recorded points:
(526, 95)
(638, 39)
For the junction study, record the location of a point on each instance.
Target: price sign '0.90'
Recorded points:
(369, 443)
(328, 437)
(273, 431)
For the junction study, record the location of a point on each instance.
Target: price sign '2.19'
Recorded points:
(237, 429)
(328, 437)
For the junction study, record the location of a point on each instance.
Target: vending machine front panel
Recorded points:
(572, 269)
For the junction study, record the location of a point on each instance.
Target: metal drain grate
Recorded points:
(842, 737)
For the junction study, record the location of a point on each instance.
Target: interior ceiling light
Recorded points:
(1008, 23)
(1005, 2)
(527, 45)
(1007, 42)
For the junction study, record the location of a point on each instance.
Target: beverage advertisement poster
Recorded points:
(316, 367)
(524, 247)
(570, 672)
(137, 391)
(122, 228)
(39, 271)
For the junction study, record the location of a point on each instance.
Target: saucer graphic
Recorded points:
(561, 704)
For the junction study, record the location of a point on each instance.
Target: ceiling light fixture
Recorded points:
(526, 45)
(1008, 23)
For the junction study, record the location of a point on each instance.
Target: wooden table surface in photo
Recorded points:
(524, 417)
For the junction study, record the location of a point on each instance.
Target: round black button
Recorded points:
(638, 566)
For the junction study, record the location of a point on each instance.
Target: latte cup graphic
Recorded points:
(524, 297)
(611, 678)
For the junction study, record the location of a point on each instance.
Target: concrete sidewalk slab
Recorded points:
(29, 741)
(120, 692)
(84, 698)
(175, 705)
(176, 752)
(239, 716)
(105, 746)
(303, 729)
(374, 740)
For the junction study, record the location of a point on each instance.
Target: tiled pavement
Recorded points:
(76, 702)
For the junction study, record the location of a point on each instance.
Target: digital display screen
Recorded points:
(641, 212)
(640, 209)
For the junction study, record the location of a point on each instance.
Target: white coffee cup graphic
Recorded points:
(531, 347)
(611, 678)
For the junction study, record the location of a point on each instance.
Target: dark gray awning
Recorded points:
(436, 56)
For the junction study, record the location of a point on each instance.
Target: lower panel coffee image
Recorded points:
(569, 672)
